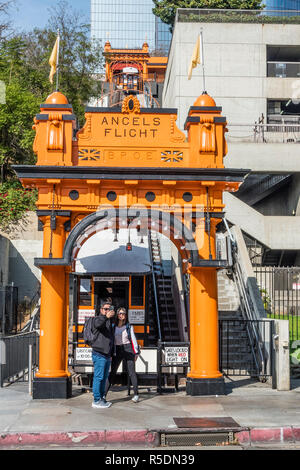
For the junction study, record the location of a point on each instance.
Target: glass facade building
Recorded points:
(127, 24)
(282, 5)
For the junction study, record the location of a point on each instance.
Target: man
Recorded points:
(102, 349)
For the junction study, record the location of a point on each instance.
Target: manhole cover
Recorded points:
(225, 422)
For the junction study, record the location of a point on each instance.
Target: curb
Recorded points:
(145, 438)
(285, 434)
(133, 437)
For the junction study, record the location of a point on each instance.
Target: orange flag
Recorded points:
(196, 57)
(53, 61)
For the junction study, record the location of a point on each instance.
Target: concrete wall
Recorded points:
(25, 244)
(235, 68)
(235, 57)
(263, 158)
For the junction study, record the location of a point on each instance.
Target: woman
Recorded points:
(126, 347)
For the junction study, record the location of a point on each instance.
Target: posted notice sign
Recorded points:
(83, 354)
(136, 316)
(176, 355)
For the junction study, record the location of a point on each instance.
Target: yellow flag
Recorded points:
(196, 57)
(54, 59)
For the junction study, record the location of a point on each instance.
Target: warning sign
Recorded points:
(176, 355)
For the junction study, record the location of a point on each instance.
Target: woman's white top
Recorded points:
(121, 336)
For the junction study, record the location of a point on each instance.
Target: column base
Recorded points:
(207, 386)
(47, 388)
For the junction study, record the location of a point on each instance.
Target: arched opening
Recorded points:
(142, 278)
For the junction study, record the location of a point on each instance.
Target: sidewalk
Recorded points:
(263, 415)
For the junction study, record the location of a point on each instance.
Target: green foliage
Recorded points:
(16, 134)
(15, 201)
(266, 299)
(166, 9)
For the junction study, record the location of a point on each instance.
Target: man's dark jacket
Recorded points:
(104, 342)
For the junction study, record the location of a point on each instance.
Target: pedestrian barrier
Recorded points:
(15, 355)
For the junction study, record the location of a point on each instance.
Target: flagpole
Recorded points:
(57, 61)
(202, 60)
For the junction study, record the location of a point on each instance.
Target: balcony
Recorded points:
(265, 133)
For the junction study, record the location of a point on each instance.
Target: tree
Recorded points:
(79, 60)
(24, 68)
(166, 9)
(4, 17)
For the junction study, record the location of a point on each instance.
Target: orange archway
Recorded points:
(128, 161)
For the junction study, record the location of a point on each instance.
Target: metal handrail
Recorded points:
(247, 305)
(164, 293)
(277, 132)
(154, 286)
(248, 314)
(14, 363)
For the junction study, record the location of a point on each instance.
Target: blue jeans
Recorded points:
(101, 371)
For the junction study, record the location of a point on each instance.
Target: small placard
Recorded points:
(84, 314)
(111, 278)
(176, 355)
(136, 316)
(83, 354)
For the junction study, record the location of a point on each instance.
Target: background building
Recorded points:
(129, 24)
(252, 70)
(282, 5)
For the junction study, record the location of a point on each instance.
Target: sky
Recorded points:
(28, 14)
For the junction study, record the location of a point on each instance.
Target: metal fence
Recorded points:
(280, 132)
(280, 291)
(8, 309)
(17, 352)
(239, 348)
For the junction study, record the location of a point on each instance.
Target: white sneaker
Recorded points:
(101, 404)
(135, 399)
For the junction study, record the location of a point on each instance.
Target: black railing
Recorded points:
(280, 292)
(239, 351)
(154, 287)
(18, 353)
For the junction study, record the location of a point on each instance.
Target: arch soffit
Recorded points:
(84, 229)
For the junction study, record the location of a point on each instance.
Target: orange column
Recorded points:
(204, 377)
(204, 323)
(53, 347)
(53, 314)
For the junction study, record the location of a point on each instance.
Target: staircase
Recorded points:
(165, 302)
(236, 357)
